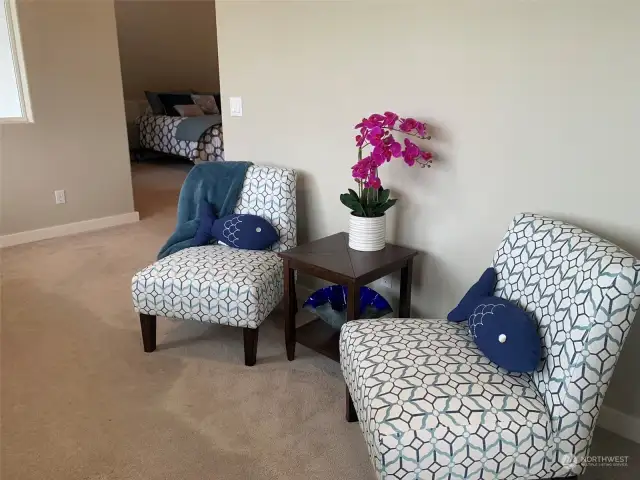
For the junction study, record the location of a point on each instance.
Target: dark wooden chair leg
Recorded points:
(351, 415)
(148, 327)
(290, 310)
(250, 346)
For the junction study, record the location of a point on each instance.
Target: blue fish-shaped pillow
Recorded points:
(248, 232)
(505, 333)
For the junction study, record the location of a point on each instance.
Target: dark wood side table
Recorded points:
(331, 259)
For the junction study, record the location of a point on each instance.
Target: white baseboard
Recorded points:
(67, 229)
(623, 424)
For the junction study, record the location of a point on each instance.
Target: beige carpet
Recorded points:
(80, 399)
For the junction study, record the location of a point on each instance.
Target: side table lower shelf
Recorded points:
(332, 260)
(320, 337)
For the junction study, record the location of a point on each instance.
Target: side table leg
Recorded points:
(290, 309)
(353, 302)
(405, 290)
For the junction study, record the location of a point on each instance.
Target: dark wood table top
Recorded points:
(332, 259)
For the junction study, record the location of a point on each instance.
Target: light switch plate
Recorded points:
(235, 104)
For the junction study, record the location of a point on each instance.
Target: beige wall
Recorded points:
(78, 140)
(535, 107)
(167, 45)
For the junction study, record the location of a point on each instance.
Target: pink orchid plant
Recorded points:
(376, 132)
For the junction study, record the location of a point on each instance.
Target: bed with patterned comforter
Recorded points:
(158, 133)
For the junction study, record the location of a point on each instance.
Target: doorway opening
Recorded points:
(170, 79)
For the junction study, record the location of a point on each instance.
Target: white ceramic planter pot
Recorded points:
(367, 234)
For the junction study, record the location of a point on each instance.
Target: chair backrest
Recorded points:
(270, 193)
(583, 291)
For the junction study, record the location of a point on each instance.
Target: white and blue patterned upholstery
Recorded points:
(270, 193)
(220, 284)
(432, 406)
(216, 284)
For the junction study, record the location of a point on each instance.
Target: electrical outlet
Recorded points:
(60, 197)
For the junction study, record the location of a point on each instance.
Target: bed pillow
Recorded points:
(153, 98)
(189, 110)
(215, 95)
(207, 103)
(157, 108)
(170, 100)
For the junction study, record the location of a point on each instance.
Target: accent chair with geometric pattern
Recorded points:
(220, 284)
(432, 406)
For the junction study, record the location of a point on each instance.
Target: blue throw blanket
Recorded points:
(219, 184)
(192, 128)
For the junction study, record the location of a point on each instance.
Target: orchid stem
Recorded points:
(426, 137)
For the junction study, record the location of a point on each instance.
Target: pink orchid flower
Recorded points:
(377, 118)
(378, 158)
(375, 135)
(376, 131)
(396, 149)
(411, 151)
(390, 119)
(408, 125)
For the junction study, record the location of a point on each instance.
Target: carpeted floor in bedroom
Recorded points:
(80, 399)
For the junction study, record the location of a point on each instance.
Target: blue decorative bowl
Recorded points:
(330, 304)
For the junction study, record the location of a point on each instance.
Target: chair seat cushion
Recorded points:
(429, 401)
(212, 283)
